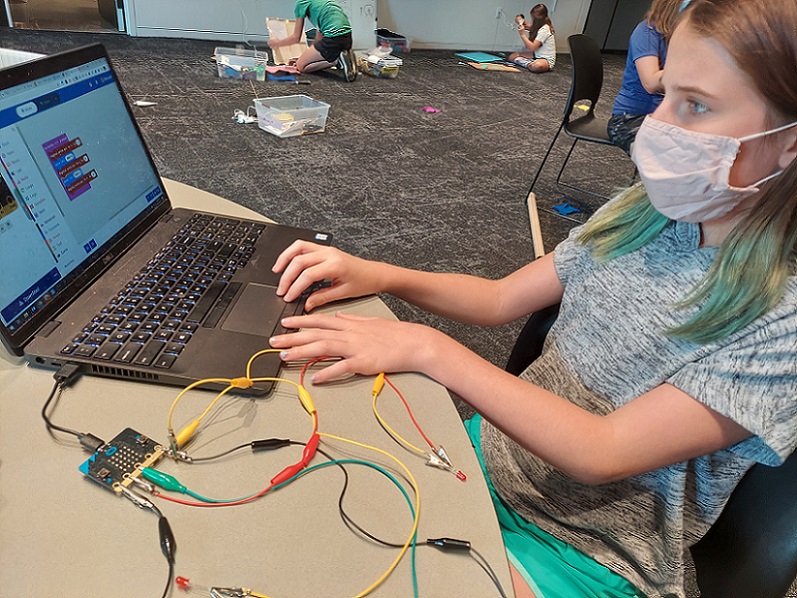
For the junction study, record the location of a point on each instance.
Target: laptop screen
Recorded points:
(74, 175)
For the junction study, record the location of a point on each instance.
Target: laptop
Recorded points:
(97, 268)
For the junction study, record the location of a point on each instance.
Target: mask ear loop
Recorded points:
(769, 132)
(764, 134)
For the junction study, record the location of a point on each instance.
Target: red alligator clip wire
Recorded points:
(290, 471)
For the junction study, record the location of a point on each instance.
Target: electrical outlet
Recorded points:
(498, 12)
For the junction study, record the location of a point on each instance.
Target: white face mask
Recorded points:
(686, 174)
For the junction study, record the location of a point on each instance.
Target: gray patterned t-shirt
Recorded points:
(609, 346)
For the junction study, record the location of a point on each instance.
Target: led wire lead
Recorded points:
(378, 383)
(409, 412)
(437, 457)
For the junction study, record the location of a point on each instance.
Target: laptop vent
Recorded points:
(122, 373)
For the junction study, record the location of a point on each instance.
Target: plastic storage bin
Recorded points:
(398, 43)
(241, 64)
(289, 116)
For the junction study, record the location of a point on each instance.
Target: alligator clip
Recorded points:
(440, 459)
(230, 592)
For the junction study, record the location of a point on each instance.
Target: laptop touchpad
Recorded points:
(257, 311)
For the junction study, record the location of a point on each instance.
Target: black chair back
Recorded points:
(751, 550)
(585, 86)
(528, 345)
(587, 78)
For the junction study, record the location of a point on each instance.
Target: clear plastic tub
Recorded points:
(234, 63)
(289, 116)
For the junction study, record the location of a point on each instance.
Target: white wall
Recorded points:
(235, 21)
(472, 24)
(432, 24)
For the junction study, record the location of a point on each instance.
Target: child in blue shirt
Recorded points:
(641, 91)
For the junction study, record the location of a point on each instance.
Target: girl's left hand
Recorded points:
(366, 346)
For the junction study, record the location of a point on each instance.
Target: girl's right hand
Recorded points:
(304, 263)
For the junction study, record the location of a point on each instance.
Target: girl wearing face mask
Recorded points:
(671, 367)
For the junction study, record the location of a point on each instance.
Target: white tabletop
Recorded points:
(63, 535)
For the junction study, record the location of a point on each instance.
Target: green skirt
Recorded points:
(552, 568)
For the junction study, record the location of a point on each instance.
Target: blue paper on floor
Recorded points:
(565, 209)
(479, 57)
(286, 77)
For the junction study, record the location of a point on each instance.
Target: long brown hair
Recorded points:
(539, 17)
(663, 15)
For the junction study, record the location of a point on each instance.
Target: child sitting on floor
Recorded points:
(538, 38)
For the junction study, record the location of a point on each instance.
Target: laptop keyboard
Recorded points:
(187, 284)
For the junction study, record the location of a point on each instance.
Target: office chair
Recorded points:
(751, 550)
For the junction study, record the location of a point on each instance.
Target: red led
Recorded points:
(183, 582)
(461, 476)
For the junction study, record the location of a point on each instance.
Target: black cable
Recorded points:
(168, 581)
(277, 443)
(274, 443)
(58, 388)
(64, 377)
(220, 455)
(350, 523)
(347, 520)
(446, 544)
(168, 546)
(488, 569)
(454, 545)
(165, 535)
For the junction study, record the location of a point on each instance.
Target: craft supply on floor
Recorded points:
(566, 209)
(479, 57)
(493, 66)
(379, 62)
